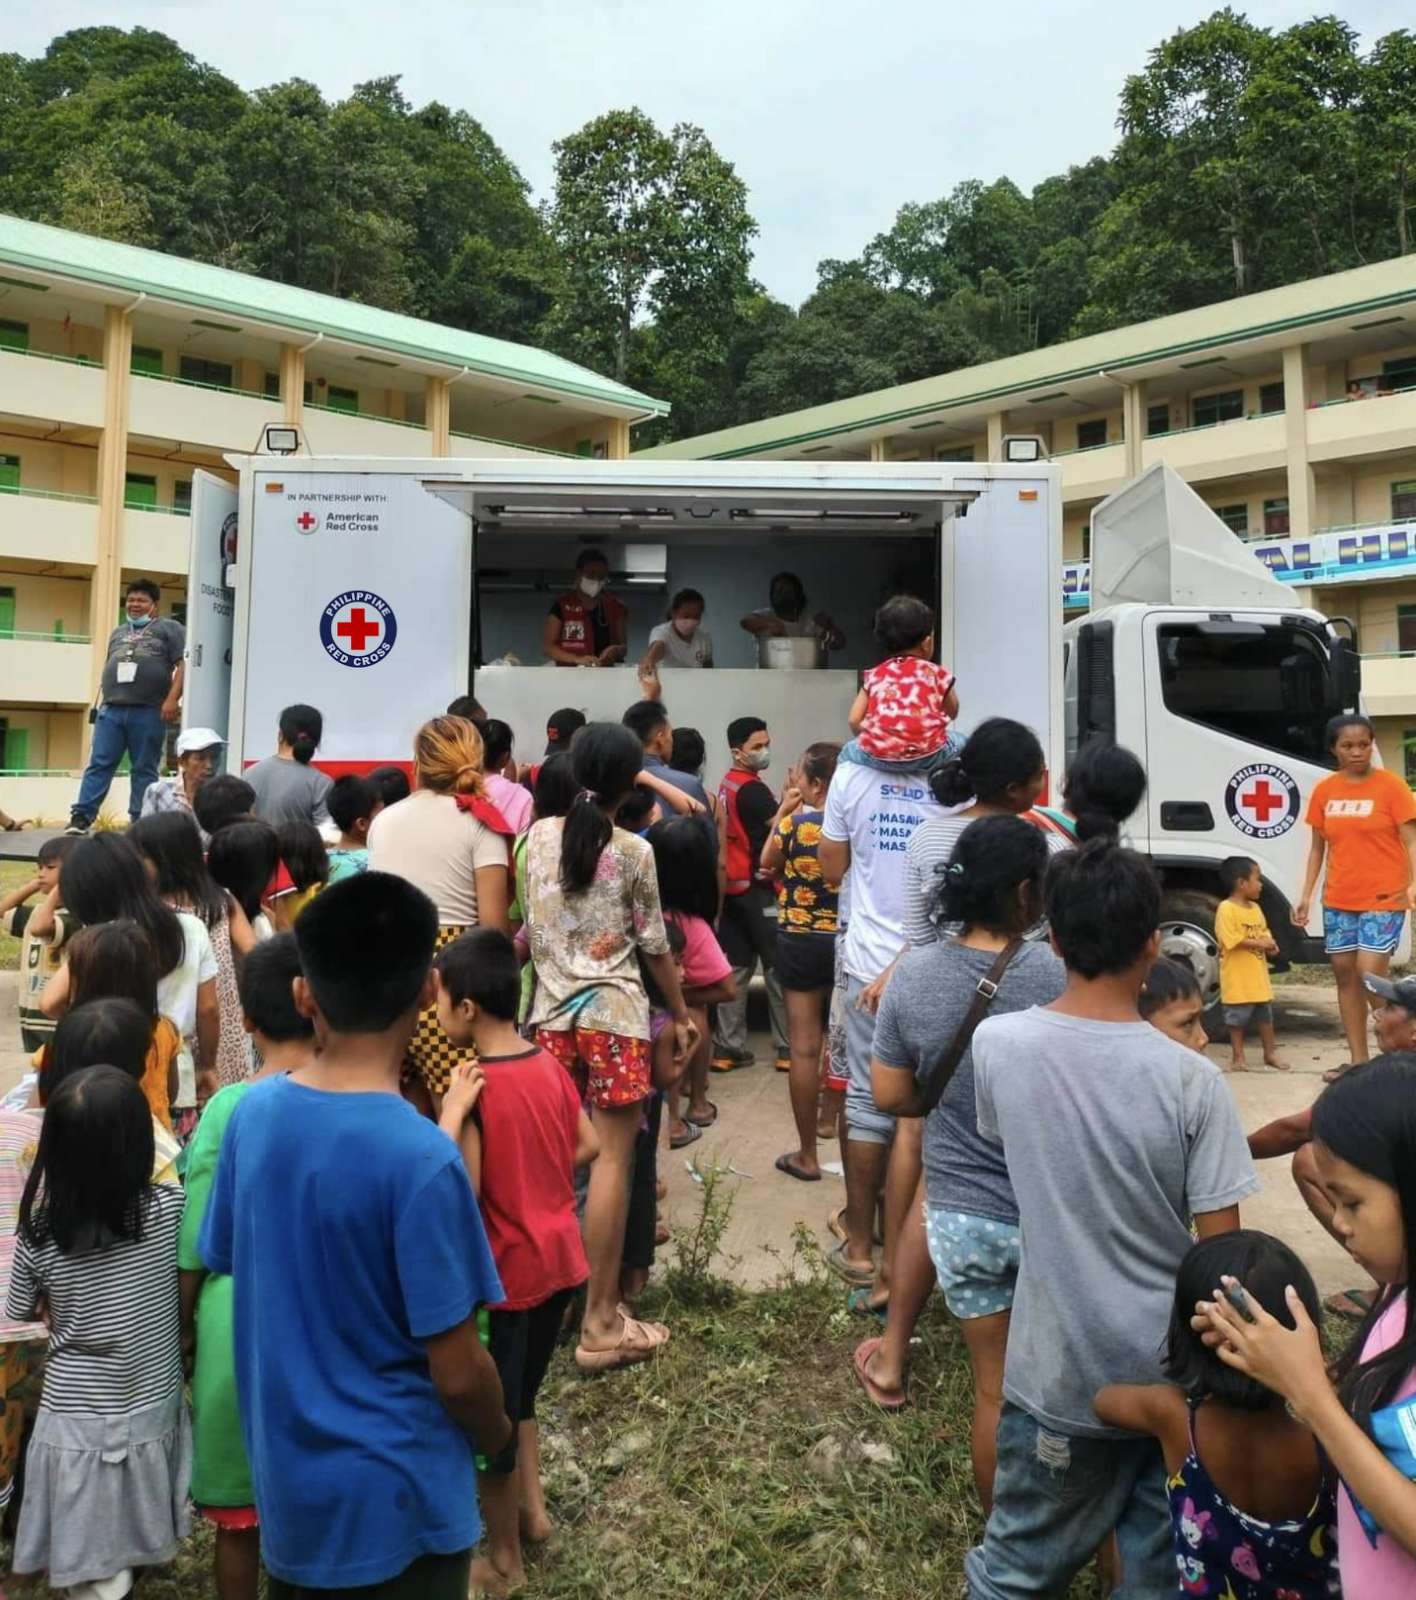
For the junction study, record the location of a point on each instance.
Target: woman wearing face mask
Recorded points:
(682, 641)
(586, 626)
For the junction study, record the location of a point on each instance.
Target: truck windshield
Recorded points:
(1266, 684)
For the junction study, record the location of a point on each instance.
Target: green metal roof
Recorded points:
(1362, 291)
(238, 295)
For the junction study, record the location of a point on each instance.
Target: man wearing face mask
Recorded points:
(141, 691)
(747, 928)
(586, 626)
(786, 617)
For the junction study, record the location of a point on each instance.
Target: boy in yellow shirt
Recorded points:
(1245, 943)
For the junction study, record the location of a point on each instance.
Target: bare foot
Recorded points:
(490, 1579)
(1276, 1064)
(1238, 1066)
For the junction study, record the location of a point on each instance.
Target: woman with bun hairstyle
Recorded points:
(1105, 785)
(287, 787)
(451, 842)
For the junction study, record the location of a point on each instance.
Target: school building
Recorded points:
(123, 370)
(1292, 413)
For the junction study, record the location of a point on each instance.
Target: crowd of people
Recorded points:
(349, 1099)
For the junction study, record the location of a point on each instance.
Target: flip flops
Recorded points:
(856, 1277)
(638, 1341)
(690, 1135)
(784, 1163)
(886, 1399)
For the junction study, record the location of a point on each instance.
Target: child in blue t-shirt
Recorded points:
(353, 803)
(360, 1262)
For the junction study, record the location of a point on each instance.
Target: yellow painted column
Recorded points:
(437, 414)
(1133, 423)
(112, 471)
(877, 450)
(997, 427)
(292, 385)
(618, 439)
(1302, 491)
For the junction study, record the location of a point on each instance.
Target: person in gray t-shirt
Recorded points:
(141, 692)
(1113, 1135)
(288, 788)
(992, 891)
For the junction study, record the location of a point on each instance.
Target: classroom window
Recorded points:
(1268, 688)
(13, 335)
(954, 452)
(338, 399)
(9, 474)
(1270, 398)
(182, 494)
(140, 490)
(1158, 418)
(14, 747)
(1226, 406)
(1408, 752)
(7, 613)
(1406, 630)
(272, 386)
(1276, 518)
(146, 359)
(1235, 518)
(1403, 500)
(197, 369)
(1091, 434)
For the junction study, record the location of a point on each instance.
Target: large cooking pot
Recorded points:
(791, 655)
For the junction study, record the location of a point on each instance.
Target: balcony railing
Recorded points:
(364, 416)
(201, 383)
(49, 355)
(49, 494)
(43, 638)
(162, 511)
(512, 444)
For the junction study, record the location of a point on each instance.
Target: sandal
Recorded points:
(886, 1399)
(701, 1120)
(860, 1304)
(690, 1135)
(836, 1223)
(1353, 1304)
(785, 1164)
(857, 1277)
(638, 1341)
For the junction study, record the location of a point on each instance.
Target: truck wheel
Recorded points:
(1187, 934)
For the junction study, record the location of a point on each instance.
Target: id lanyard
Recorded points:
(127, 665)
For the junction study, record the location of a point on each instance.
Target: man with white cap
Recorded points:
(198, 751)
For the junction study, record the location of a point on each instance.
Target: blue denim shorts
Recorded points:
(1378, 932)
(976, 1260)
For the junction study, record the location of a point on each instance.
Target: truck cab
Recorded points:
(1196, 659)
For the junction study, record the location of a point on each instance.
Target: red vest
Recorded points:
(741, 868)
(577, 632)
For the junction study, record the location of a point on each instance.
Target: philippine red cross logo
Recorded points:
(1262, 801)
(306, 521)
(358, 629)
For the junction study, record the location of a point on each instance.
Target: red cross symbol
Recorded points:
(1261, 800)
(358, 628)
(305, 521)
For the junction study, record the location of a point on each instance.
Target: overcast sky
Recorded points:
(834, 112)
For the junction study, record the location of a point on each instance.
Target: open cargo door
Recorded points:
(211, 604)
(1157, 542)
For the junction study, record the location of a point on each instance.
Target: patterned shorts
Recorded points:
(610, 1069)
(1377, 932)
(976, 1260)
(430, 1053)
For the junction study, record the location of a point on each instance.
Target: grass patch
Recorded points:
(12, 875)
(744, 1462)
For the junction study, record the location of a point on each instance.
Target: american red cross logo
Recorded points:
(1262, 800)
(358, 628)
(307, 522)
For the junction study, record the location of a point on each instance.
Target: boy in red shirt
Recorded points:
(519, 1122)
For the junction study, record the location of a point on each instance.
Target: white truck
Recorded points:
(380, 589)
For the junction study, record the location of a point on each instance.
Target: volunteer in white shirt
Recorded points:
(682, 641)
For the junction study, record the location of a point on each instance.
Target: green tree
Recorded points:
(1386, 126)
(93, 198)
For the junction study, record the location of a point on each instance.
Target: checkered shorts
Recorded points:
(430, 1053)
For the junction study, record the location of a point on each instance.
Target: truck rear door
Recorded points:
(206, 694)
(1236, 704)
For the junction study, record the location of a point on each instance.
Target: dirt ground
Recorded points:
(755, 1127)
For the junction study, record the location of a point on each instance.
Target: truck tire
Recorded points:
(1187, 934)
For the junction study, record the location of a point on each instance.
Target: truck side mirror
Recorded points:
(1346, 673)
